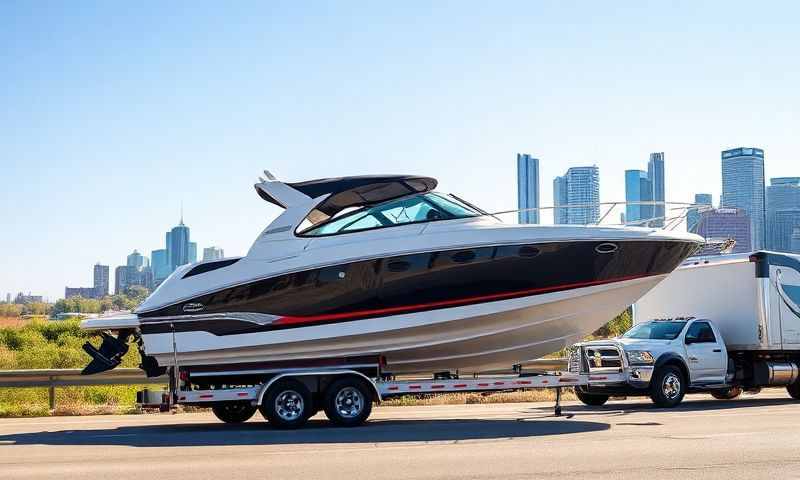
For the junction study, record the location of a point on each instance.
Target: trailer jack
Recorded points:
(557, 409)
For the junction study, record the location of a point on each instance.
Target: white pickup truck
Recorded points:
(717, 324)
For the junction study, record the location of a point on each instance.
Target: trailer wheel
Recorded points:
(593, 400)
(234, 412)
(794, 390)
(287, 404)
(667, 386)
(348, 402)
(727, 393)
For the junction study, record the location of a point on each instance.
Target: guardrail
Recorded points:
(71, 377)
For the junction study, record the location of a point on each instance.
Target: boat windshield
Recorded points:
(659, 330)
(424, 207)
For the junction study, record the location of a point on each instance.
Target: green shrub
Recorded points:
(52, 331)
(8, 358)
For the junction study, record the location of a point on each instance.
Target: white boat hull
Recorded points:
(472, 338)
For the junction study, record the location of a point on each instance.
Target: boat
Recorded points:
(386, 267)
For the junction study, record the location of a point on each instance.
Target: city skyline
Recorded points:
(146, 106)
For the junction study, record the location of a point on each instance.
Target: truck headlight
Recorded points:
(640, 357)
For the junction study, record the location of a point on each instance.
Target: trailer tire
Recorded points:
(287, 404)
(348, 401)
(727, 393)
(591, 399)
(234, 412)
(794, 390)
(667, 387)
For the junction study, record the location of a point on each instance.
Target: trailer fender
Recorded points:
(259, 399)
(672, 358)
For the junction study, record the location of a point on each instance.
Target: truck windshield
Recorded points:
(656, 330)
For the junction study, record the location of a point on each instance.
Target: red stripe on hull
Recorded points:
(294, 320)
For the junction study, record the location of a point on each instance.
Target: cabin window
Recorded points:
(416, 208)
(700, 332)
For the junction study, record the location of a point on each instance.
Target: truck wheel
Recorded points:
(667, 387)
(794, 390)
(348, 402)
(234, 412)
(593, 400)
(287, 404)
(727, 393)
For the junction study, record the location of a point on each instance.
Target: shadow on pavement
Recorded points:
(317, 431)
(643, 404)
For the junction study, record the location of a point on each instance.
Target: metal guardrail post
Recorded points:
(51, 395)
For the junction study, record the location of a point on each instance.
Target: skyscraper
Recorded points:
(796, 240)
(122, 278)
(579, 189)
(693, 214)
(527, 188)
(724, 223)
(743, 188)
(641, 186)
(161, 267)
(213, 253)
(192, 252)
(655, 173)
(101, 281)
(560, 198)
(135, 259)
(178, 246)
(638, 188)
(783, 213)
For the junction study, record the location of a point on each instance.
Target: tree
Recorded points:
(10, 310)
(36, 308)
(77, 305)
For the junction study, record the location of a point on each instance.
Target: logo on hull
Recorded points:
(193, 307)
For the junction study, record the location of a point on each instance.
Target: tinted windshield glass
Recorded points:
(656, 331)
(413, 209)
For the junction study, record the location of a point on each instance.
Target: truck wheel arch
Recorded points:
(671, 358)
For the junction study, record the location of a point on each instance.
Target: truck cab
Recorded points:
(662, 358)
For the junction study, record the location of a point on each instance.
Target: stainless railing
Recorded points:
(675, 213)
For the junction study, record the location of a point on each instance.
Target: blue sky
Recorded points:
(113, 114)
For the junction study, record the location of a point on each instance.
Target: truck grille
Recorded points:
(574, 361)
(603, 359)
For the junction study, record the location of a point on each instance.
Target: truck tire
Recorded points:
(667, 387)
(234, 412)
(348, 402)
(591, 399)
(794, 390)
(727, 393)
(287, 404)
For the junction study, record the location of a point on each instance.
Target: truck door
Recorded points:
(787, 284)
(706, 354)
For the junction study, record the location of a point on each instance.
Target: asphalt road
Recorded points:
(753, 437)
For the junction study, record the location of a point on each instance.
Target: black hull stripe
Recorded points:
(380, 312)
(228, 326)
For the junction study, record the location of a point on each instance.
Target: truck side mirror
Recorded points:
(690, 340)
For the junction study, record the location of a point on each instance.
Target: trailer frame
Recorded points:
(382, 386)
